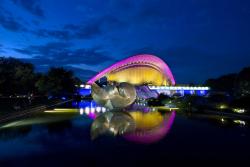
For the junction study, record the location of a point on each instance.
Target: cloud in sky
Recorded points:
(1, 48)
(7, 21)
(86, 30)
(62, 53)
(191, 36)
(31, 6)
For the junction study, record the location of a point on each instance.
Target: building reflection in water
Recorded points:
(150, 127)
(89, 108)
(136, 126)
(112, 123)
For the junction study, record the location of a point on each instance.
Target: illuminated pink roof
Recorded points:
(144, 58)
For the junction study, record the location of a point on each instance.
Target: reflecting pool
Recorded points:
(85, 133)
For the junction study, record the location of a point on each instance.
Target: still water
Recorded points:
(89, 135)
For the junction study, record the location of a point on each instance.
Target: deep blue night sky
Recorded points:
(198, 39)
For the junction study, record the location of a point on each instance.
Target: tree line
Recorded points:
(17, 77)
(236, 84)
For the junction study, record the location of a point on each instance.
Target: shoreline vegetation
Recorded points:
(21, 89)
(18, 78)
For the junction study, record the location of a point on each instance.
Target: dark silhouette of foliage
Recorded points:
(57, 81)
(223, 83)
(17, 77)
(235, 84)
(243, 83)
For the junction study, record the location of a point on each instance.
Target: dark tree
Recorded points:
(243, 83)
(16, 77)
(224, 83)
(57, 81)
(235, 84)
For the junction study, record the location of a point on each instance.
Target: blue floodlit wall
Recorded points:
(84, 91)
(183, 90)
(84, 104)
(169, 90)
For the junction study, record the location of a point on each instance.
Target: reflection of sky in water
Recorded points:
(22, 144)
(68, 135)
(45, 138)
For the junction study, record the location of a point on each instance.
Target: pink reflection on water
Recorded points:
(153, 135)
(92, 115)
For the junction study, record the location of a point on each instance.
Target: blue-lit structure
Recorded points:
(84, 104)
(182, 90)
(89, 107)
(84, 90)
